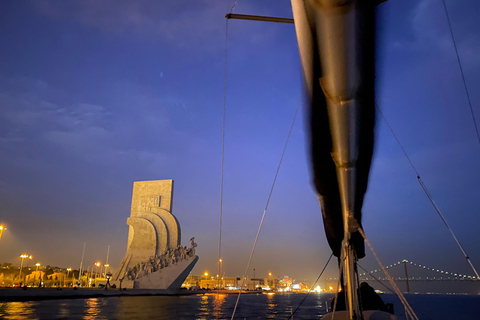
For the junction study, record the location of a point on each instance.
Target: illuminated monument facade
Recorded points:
(155, 258)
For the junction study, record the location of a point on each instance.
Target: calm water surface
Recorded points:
(258, 306)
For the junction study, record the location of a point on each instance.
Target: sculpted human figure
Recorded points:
(192, 246)
(192, 242)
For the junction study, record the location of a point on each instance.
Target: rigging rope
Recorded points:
(223, 152)
(223, 157)
(379, 281)
(461, 71)
(446, 224)
(408, 309)
(268, 201)
(340, 272)
(318, 278)
(424, 187)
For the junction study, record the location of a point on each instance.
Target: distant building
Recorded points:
(35, 276)
(223, 283)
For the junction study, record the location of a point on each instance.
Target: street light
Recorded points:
(97, 264)
(106, 267)
(23, 257)
(37, 265)
(2, 227)
(68, 272)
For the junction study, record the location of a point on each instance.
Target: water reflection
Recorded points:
(92, 309)
(203, 310)
(64, 311)
(218, 305)
(271, 305)
(207, 306)
(17, 310)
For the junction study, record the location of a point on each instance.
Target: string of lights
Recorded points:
(456, 275)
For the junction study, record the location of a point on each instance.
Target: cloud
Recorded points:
(180, 22)
(120, 133)
(431, 31)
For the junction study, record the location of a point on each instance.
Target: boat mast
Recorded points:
(336, 44)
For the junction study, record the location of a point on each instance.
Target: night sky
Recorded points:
(97, 94)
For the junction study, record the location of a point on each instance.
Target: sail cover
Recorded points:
(337, 73)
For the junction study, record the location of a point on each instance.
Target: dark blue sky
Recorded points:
(97, 94)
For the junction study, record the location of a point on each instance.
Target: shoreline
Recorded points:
(38, 294)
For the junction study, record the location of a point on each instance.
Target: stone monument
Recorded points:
(155, 258)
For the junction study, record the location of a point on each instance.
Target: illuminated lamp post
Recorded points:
(106, 267)
(206, 277)
(220, 272)
(23, 257)
(2, 228)
(37, 265)
(97, 264)
(68, 272)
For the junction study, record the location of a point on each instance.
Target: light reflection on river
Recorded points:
(211, 306)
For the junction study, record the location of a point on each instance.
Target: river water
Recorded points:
(251, 306)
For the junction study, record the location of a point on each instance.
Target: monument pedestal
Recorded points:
(169, 278)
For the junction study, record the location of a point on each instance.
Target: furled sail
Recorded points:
(336, 40)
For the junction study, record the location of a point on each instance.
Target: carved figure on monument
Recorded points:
(192, 245)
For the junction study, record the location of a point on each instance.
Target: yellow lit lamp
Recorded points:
(1, 230)
(68, 271)
(23, 257)
(106, 265)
